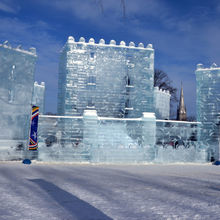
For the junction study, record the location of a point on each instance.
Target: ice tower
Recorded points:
(39, 96)
(208, 107)
(115, 80)
(16, 87)
(162, 103)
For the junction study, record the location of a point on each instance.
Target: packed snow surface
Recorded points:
(102, 192)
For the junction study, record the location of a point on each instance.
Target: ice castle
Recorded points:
(107, 105)
(108, 109)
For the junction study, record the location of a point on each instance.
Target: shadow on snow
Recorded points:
(76, 207)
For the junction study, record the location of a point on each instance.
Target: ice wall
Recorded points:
(60, 139)
(91, 138)
(113, 140)
(38, 98)
(16, 87)
(97, 139)
(208, 107)
(116, 80)
(162, 103)
(176, 141)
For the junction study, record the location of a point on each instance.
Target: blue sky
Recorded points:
(183, 33)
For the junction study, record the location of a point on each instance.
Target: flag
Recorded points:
(33, 130)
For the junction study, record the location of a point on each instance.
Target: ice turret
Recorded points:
(122, 43)
(33, 50)
(141, 45)
(112, 42)
(82, 40)
(214, 65)
(70, 40)
(150, 46)
(101, 41)
(199, 66)
(91, 41)
(131, 44)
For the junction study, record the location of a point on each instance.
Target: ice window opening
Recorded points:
(129, 82)
(91, 80)
(92, 55)
(90, 103)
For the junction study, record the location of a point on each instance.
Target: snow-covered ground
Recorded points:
(99, 192)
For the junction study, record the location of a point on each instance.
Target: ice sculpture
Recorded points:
(16, 87)
(39, 96)
(106, 103)
(115, 80)
(162, 103)
(208, 108)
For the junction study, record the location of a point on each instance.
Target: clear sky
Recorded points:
(183, 33)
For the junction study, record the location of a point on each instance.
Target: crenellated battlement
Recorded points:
(42, 84)
(162, 91)
(201, 67)
(112, 43)
(31, 51)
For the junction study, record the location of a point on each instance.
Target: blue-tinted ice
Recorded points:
(108, 109)
(16, 87)
(38, 98)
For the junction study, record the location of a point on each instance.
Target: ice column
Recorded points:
(149, 134)
(39, 96)
(90, 129)
(208, 107)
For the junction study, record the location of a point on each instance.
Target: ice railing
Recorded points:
(100, 139)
